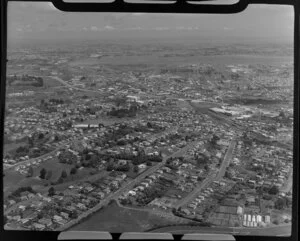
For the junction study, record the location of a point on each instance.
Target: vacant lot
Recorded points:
(51, 82)
(12, 146)
(117, 219)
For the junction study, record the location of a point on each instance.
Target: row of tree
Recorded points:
(150, 194)
(120, 113)
(47, 174)
(25, 80)
(19, 190)
(67, 157)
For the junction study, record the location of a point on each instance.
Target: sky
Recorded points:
(42, 21)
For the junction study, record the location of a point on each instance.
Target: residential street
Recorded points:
(210, 178)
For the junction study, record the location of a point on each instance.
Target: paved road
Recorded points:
(284, 230)
(192, 195)
(210, 178)
(42, 156)
(71, 86)
(49, 153)
(289, 183)
(33, 159)
(226, 160)
(151, 170)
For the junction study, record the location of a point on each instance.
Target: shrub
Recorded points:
(51, 191)
(64, 174)
(73, 171)
(43, 173)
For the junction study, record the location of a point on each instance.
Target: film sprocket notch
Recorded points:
(179, 6)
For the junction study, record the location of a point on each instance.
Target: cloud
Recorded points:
(94, 28)
(138, 14)
(107, 27)
(161, 28)
(227, 29)
(187, 28)
(134, 28)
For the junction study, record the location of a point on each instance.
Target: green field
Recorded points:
(117, 219)
(13, 179)
(12, 146)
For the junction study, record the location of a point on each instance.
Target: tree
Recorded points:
(281, 114)
(201, 159)
(22, 149)
(51, 191)
(136, 169)
(73, 215)
(228, 175)
(40, 215)
(30, 171)
(214, 140)
(43, 173)
(124, 168)
(30, 141)
(48, 175)
(73, 171)
(110, 167)
(174, 210)
(64, 174)
(273, 190)
(94, 160)
(267, 197)
(199, 179)
(60, 180)
(280, 203)
(169, 160)
(120, 100)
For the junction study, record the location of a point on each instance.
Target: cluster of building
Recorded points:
(270, 165)
(42, 212)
